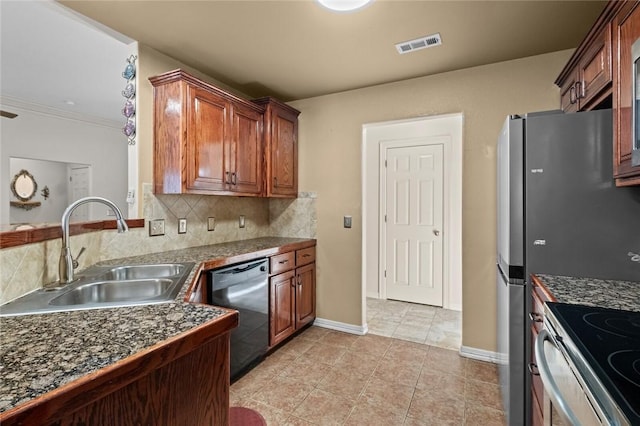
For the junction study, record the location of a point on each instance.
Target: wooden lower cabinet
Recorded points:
(541, 409)
(282, 307)
(292, 293)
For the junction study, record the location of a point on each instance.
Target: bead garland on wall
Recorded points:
(129, 92)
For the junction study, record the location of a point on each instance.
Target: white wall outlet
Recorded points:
(156, 227)
(211, 224)
(241, 221)
(131, 196)
(182, 225)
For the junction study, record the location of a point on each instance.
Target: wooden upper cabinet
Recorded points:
(586, 79)
(626, 27)
(281, 148)
(245, 153)
(206, 141)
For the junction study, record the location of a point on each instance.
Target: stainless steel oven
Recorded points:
(589, 362)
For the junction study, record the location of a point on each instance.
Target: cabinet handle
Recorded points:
(535, 317)
(531, 368)
(306, 255)
(228, 178)
(579, 90)
(275, 181)
(283, 262)
(572, 95)
(234, 178)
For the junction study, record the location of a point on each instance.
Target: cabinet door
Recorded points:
(207, 141)
(284, 154)
(245, 155)
(281, 307)
(626, 27)
(305, 295)
(595, 68)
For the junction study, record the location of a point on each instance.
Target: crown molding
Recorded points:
(13, 102)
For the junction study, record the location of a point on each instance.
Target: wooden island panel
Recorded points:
(181, 381)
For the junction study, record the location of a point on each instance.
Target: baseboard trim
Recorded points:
(373, 294)
(481, 354)
(360, 330)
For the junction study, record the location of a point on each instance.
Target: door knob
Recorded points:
(436, 232)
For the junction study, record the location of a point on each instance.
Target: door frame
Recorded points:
(373, 134)
(382, 231)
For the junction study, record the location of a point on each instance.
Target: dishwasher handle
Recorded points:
(550, 385)
(243, 268)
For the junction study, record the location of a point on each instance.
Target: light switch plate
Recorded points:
(182, 225)
(156, 227)
(241, 221)
(211, 224)
(347, 221)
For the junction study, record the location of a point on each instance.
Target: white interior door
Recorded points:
(79, 187)
(413, 242)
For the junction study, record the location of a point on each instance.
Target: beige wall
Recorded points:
(330, 138)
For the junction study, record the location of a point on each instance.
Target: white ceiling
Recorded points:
(291, 49)
(51, 56)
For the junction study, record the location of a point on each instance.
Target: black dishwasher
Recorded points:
(244, 287)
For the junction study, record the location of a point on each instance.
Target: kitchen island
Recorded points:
(155, 364)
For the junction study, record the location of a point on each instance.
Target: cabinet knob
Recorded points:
(572, 95)
(436, 232)
(579, 90)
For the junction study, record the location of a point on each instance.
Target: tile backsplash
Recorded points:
(26, 268)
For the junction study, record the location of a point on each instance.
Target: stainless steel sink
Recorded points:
(106, 287)
(115, 291)
(135, 272)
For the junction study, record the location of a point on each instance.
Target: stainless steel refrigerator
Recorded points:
(559, 213)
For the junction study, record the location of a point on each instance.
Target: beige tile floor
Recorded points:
(325, 377)
(415, 323)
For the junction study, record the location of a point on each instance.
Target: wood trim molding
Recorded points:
(16, 238)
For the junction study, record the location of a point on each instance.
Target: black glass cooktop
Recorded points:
(609, 340)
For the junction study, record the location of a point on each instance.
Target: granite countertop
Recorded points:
(40, 353)
(594, 292)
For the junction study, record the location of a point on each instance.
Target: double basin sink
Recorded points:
(105, 287)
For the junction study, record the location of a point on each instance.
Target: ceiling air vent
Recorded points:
(419, 43)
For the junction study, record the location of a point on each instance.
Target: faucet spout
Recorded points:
(65, 267)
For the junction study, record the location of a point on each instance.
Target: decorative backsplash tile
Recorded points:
(27, 268)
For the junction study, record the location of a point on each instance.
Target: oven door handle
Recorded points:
(549, 382)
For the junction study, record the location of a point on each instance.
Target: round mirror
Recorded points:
(24, 186)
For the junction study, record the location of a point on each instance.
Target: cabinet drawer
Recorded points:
(305, 256)
(282, 262)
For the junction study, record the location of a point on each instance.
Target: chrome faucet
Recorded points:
(67, 263)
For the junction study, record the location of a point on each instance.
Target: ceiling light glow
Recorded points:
(344, 5)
